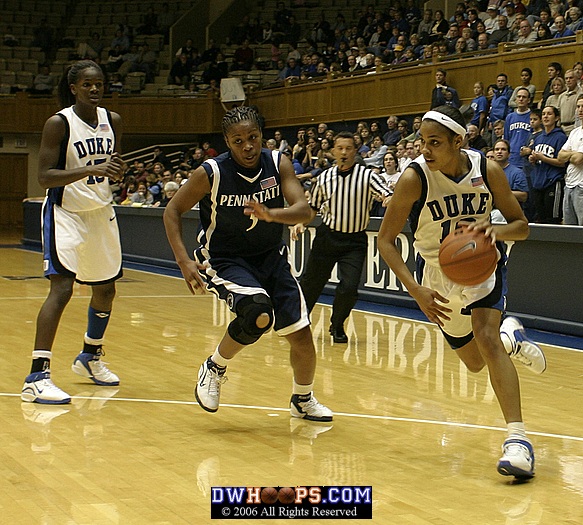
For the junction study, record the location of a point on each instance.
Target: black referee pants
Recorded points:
(331, 247)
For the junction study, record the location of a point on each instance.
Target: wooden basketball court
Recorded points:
(409, 419)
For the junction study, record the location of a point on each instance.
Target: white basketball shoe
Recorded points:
(520, 347)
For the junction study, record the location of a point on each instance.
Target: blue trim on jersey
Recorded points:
(56, 194)
(50, 256)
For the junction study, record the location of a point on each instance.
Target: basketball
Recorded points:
(286, 495)
(467, 256)
(269, 495)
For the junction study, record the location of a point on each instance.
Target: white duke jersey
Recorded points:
(84, 145)
(445, 201)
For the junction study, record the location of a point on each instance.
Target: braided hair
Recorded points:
(239, 114)
(71, 76)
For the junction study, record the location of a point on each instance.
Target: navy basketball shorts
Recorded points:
(233, 278)
(463, 299)
(81, 244)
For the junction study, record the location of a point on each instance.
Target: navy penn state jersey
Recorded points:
(225, 229)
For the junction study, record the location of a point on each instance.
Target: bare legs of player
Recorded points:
(486, 349)
(302, 351)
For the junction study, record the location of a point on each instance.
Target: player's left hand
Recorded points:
(260, 211)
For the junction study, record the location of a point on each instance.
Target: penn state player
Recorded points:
(242, 258)
(78, 156)
(444, 186)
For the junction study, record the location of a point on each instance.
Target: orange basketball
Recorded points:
(467, 257)
(286, 495)
(269, 495)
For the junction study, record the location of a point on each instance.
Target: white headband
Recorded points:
(448, 122)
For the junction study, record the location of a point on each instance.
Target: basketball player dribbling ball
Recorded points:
(443, 187)
(242, 257)
(78, 156)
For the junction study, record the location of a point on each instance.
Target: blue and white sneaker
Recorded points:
(517, 458)
(520, 347)
(39, 388)
(91, 366)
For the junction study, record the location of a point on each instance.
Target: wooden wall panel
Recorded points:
(403, 91)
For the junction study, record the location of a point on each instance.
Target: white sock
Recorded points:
(218, 359)
(302, 390)
(516, 430)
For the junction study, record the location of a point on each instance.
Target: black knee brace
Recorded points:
(243, 328)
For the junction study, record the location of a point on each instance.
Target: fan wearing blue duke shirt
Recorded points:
(242, 258)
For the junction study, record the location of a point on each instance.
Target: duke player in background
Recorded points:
(78, 156)
(243, 259)
(443, 187)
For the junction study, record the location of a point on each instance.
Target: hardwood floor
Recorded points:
(410, 420)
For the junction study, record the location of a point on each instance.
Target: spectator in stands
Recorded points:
(554, 69)
(392, 136)
(374, 158)
(181, 71)
(499, 104)
(320, 31)
(543, 32)
(567, 102)
(501, 34)
(557, 87)
(186, 49)
(439, 28)
(471, 44)
(142, 197)
(208, 150)
(129, 61)
(438, 94)
(114, 59)
(482, 42)
(160, 156)
(281, 17)
(480, 106)
(574, 17)
(216, 70)
(425, 26)
(115, 84)
(516, 178)
(243, 58)
(210, 54)
(120, 40)
(496, 133)
(491, 22)
(44, 37)
(293, 70)
(352, 64)
(475, 140)
(292, 32)
(517, 127)
(548, 172)
(44, 82)
(527, 35)
(92, 48)
(170, 189)
(525, 82)
(561, 27)
(571, 153)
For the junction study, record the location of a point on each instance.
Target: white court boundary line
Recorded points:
(341, 414)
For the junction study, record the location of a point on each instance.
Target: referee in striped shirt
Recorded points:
(344, 196)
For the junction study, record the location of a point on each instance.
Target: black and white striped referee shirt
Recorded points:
(344, 199)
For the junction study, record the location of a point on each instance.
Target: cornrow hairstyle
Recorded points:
(239, 114)
(71, 76)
